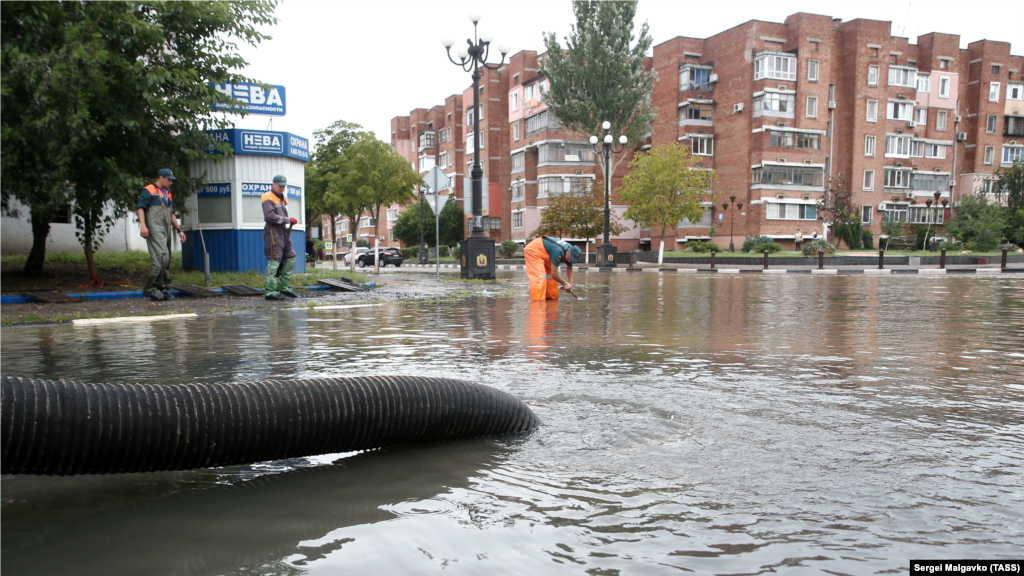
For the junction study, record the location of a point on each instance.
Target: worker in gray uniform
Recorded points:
(156, 224)
(277, 241)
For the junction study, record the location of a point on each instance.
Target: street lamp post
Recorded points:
(732, 217)
(478, 248)
(606, 252)
(421, 256)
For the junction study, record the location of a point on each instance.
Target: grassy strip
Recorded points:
(255, 279)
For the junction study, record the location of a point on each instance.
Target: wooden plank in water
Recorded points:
(194, 290)
(242, 290)
(49, 296)
(342, 283)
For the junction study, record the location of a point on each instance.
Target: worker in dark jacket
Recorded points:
(157, 224)
(277, 241)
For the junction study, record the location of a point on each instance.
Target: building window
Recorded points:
(515, 132)
(784, 211)
(564, 152)
(471, 143)
(812, 70)
(548, 186)
(702, 145)
(519, 191)
(869, 145)
(515, 101)
(944, 86)
(518, 162)
(990, 124)
(779, 67)
(543, 121)
(392, 214)
(426, 140)
(896, 178)
(779, 139)
(897, 146)
(1014, 126)
(929, 182)
(787, 175)
(900, 110)
(1012, 153)
(993, 91)
(692, 78)
(367, 222)
(937, 151)
(517, 219)
(426, 163)
(916, 149)
(1015, 91)
(442, 159)
(894, 213)
(902, 77)
(872, 75)
(695, 112)
(865, 213)
(990, 152)
(943, 64)
(872, 111)
(921, 116)
(925, 215)
(940, 120)
(869, 179)
(924, 83)
(775, 104)
(812, 107)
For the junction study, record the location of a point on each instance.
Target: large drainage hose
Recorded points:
(63, 428)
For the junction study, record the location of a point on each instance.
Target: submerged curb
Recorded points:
(826, 271)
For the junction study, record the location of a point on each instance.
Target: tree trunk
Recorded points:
(37, 255)
(334, 244)
(90, 259)
(661, 248)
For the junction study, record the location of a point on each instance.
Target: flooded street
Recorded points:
(691, 423)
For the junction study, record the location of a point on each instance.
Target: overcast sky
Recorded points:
(367, 62)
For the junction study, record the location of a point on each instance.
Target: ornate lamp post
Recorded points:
(478, 248)
(605, 146)
(732, 217)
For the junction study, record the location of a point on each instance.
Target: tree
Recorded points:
(132, 94)
(836, 209)
(599, 76)
(577, 216)
(407, 227)
(1011, 185)
(376, 173)
(325, 171)
(663, 187)
(978, 224)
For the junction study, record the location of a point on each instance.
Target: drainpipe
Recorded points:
(831, 134)
(956, 133)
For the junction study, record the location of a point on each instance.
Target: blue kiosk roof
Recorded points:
(262, 143)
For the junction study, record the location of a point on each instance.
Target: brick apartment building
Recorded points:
(778, 110)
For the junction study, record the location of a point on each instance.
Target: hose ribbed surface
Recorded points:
(63, 428)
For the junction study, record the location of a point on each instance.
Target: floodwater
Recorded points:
(739, 424)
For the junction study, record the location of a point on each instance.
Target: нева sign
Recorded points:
(253, 98)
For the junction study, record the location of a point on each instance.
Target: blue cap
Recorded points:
(166, 173)
(280, 180)
(574, 253)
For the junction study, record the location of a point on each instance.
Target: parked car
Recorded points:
(386, 255)
(346, 258)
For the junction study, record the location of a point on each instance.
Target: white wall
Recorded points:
(16, 235)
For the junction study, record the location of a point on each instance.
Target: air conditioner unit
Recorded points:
(912, 124)
(957, 118)
(881, 207)
(831, 104)
(737, 107)
(713, 78)
(961, 136)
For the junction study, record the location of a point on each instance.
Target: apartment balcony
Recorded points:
(1014, 126)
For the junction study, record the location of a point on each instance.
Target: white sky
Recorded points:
(367, 62)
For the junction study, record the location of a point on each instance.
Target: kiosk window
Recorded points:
(215, 209)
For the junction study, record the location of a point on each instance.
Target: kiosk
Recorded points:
(228, 211)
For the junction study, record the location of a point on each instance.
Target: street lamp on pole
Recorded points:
(478, 249)
(606, 147)
(732, 217)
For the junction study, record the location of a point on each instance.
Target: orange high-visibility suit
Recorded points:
(538, 271)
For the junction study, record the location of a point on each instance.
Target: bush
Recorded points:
(409, 254)
(852, 234)
(507, 248)
(362, 244)
(819, 245)
(1009, 247)
(867, 240)
(770, 247)
(457, 253)
(703, 247)
(750, 243)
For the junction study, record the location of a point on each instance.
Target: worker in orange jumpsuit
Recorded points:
(543, 256)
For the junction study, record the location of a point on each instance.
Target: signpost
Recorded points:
(437, 180)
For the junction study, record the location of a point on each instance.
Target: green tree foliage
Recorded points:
(99, 95)
(599, 76)
(378, 175)
(407, 227)
(891, 230)
(820, 245)
(577, 216)
(508, 248)
(325, 175)
(1011, 185)
(978, 224)
(663, 187)
(836, 209)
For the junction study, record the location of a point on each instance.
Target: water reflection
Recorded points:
(717, 424)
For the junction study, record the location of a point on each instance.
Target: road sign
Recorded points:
(348, 238)
(328, 245)
(436, 179)
(467, 191)
(436, 202)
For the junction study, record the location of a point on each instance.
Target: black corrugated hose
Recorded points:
(64, 428)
